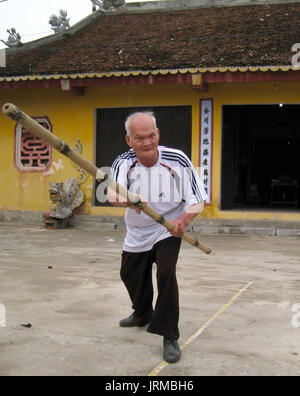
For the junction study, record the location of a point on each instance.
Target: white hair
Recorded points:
(139, 113)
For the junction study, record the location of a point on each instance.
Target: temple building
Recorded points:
(222, 77)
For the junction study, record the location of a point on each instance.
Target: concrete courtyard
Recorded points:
(63, 298)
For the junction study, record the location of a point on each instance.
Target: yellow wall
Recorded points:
(74, 117)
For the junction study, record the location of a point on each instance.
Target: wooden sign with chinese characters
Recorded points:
(206, 144)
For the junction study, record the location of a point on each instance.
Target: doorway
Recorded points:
(260, 157)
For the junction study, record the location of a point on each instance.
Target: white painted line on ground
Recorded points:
(190, 340)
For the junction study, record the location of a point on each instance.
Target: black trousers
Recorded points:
(136, 273)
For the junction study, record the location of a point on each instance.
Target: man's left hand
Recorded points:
(180, 227)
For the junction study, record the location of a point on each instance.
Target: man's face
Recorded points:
(144, 139)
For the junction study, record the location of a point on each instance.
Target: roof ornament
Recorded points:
(96, 3)
(14, 39)
(60, 23)
(108, 4)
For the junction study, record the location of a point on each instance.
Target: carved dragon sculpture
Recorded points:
(14, 39)
(66, 196)
(108, 4)
(60, 23)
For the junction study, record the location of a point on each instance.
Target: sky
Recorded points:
(30, 18)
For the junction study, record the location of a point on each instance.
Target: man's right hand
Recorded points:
(137, 210)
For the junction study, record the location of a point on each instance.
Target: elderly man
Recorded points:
(166, 180)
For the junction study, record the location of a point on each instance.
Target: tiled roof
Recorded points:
(220, 37)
